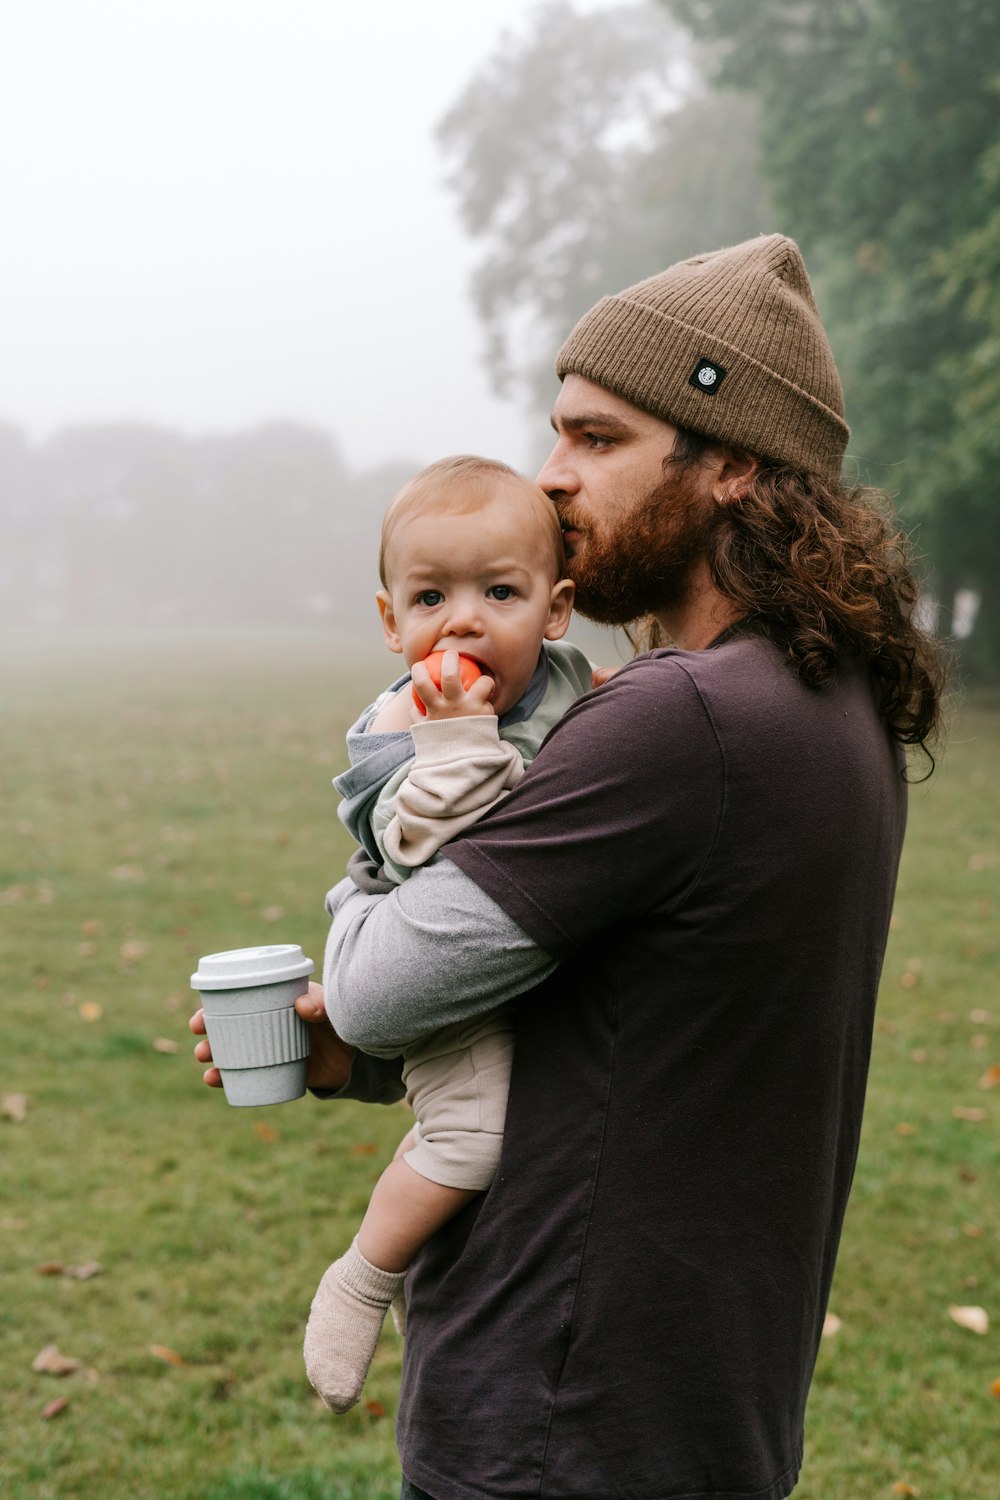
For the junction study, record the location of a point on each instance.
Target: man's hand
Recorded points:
(601, 675)
(329, 1064)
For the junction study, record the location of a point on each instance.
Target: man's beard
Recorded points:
(642, 564)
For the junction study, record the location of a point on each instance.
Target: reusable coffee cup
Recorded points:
(259, 1043)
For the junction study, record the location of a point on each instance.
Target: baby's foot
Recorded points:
(344, 1325)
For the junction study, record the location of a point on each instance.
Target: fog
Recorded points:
(225, 212)
(234, 295)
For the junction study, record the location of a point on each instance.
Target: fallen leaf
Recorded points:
(90, 928)
(132, 951)
(14, 1107)
(58, 1268)
(90, 1010)
(54, 1408)
(995, 1387)
(902, 1488)
(975, 1319)
(86, 1271)
(919, 1054)
(266, 1132)
(980, 1017)
(905, 1128)
(831, 1325)
(909, 979)
(979, 1041)
(169, 1356)
(945, 1017)
(363, 1148)
(967, 1112)
(972, 1231)
(164, 1044)
(375, 1408)
(272, 913)
(991, 1077)
(51, 1362)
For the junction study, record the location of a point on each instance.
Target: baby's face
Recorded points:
(481, 584)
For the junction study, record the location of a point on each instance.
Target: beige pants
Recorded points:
(460, 1102)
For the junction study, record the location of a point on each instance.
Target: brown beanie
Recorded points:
(728, 344)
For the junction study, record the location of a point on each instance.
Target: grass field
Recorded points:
(167, 800)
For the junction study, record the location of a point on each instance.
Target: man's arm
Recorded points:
(436, 951)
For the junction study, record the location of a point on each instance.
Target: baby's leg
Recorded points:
(459, 1099)
(351, 1301)
(404, 1211)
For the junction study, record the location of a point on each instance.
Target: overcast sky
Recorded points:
(217, 212)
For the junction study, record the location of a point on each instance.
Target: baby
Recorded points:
(471, 565)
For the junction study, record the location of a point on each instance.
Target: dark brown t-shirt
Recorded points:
(634, 1308)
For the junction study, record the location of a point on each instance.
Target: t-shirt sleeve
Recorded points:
(619, 813)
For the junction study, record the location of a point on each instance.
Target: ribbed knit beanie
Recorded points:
(729, 344)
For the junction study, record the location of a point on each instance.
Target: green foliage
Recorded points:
(584, 156)
(880, 133)
(167, 802)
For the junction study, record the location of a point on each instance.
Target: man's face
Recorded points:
(633, 524)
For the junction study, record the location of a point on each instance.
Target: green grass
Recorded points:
(169, 801)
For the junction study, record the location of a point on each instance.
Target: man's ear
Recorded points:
(560, 609)
(732, 479)
(384, 600)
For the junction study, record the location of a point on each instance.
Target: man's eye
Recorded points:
(597, 440)
(430, 598)
(501, 591)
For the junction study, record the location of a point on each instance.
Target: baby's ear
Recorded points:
(384, 600)
(560, 609)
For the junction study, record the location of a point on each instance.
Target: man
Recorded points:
(690, 890)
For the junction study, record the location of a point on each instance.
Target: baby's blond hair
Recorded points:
(463, 484)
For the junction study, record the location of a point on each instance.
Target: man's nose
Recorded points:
(556, 476)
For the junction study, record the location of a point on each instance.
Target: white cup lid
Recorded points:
(243, 967)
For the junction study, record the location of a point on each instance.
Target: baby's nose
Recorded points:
(465, 619)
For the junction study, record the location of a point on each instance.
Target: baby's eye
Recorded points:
(501, 592)
(430, 598)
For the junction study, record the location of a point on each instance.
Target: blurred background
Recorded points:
(262, 261)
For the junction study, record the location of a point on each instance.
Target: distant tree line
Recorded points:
(602, 146)
(124, 525)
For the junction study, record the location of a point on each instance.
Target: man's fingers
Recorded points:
(196, 1023)
(310, 1006)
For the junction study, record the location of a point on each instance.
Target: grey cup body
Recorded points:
(259, 1044)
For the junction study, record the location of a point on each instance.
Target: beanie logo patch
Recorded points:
(707, 376)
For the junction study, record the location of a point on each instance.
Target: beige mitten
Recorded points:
(345, 1321)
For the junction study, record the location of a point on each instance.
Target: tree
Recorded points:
(880, 142)
(586, 155)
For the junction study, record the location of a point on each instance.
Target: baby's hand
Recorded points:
(452, 700)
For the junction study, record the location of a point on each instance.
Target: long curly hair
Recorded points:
(825, 573)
